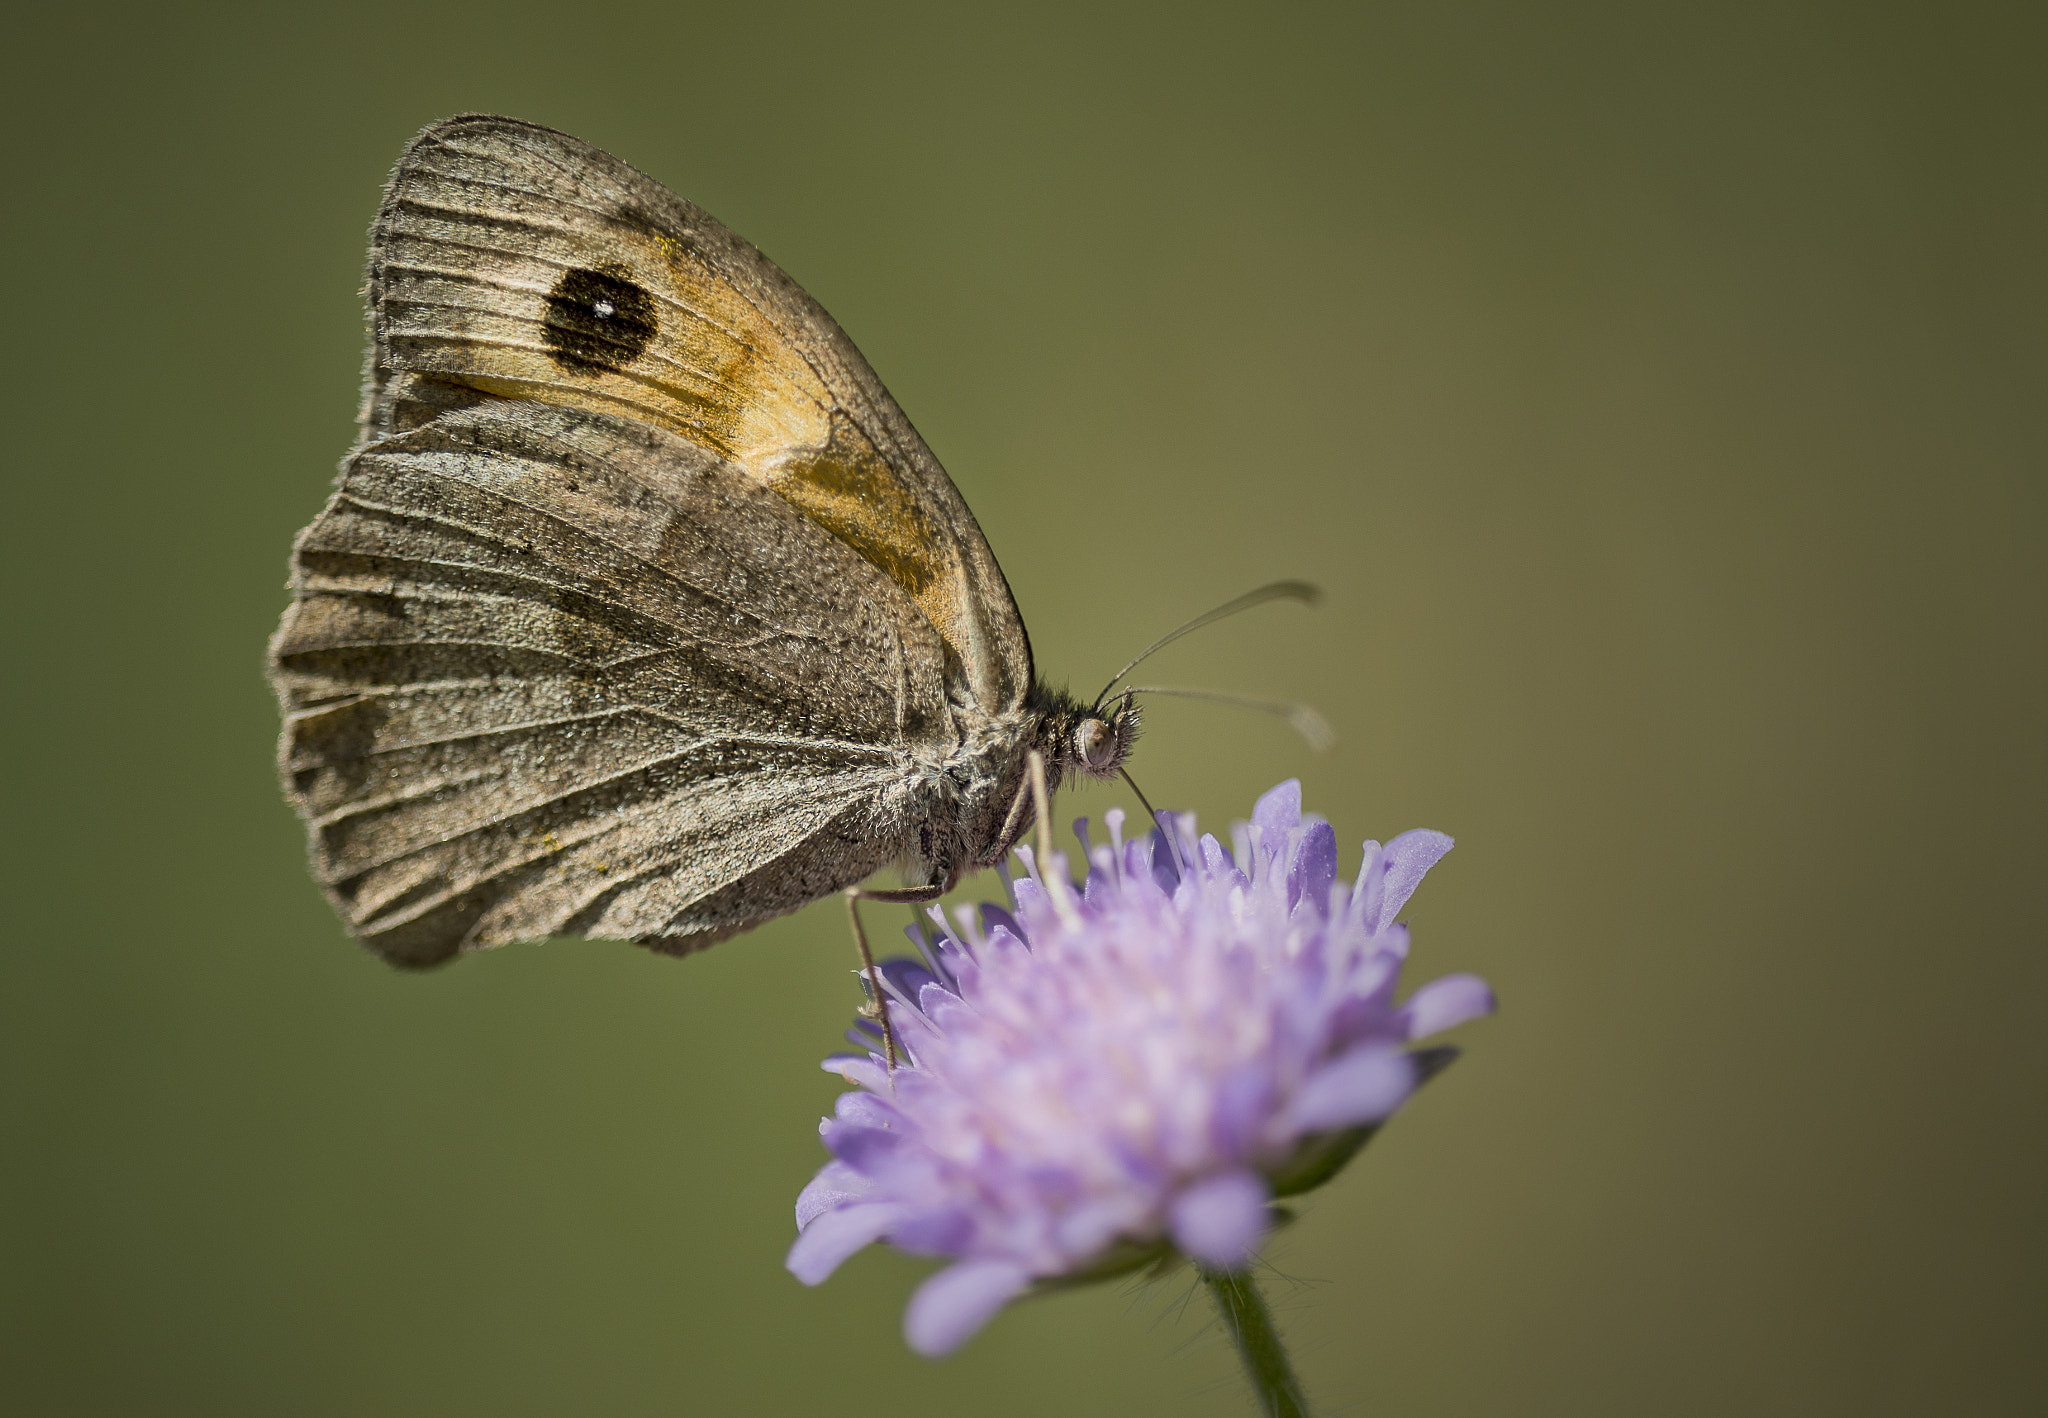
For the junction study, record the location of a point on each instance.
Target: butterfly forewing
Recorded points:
(520, 262)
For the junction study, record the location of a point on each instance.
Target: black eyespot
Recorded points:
(597, 320)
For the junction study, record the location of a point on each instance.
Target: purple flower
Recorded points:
(1106, 1076)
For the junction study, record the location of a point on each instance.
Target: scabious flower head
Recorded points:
(1104, 1076)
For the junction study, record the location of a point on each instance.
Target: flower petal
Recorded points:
(1031, 898)
(1165, 860)
(905, 977)
(870, 1072)
(1240, 1103)
(1441, 1004)
(1276, 814)
(1363, 1086)
(865, 1110)
(835, 1186)
(860, 1147)
(1403, 864)
(942, 1007)
(834, 1235)
(1087, 1229)
(1215, 861)
(1315, 869)
(1221, 1220)
(943, 1231)
(951, 1306)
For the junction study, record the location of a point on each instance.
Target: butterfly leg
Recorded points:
(878, 998)
(1032, 790)
(1011, 830)
(1041, 800)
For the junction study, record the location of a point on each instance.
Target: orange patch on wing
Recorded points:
(853, 494)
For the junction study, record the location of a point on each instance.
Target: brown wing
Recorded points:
(520, 261)
(554, 672)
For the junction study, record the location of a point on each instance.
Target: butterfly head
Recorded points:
(1095, 740)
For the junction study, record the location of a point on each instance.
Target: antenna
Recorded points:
(1314, 729)
(1277, 591)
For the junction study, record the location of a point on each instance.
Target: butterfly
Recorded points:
(640, 610)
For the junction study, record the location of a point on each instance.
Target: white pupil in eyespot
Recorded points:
(603, 309)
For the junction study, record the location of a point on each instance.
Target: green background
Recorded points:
(1658, 391)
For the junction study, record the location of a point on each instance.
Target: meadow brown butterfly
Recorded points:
(640, 609)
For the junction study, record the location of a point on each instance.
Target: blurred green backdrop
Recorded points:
(1659, 393)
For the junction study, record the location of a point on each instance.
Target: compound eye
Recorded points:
(1094, 745)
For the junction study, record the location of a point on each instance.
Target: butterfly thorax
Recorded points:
(973, 804)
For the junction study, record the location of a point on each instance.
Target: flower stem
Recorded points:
(1251, 1327)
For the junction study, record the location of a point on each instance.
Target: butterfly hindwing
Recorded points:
(521, 262)
(549, 670)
